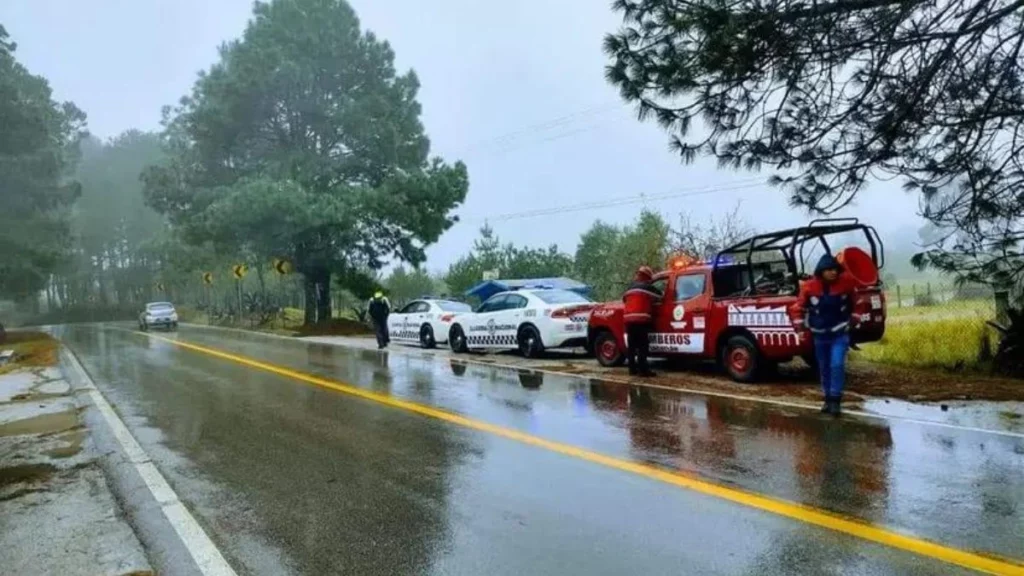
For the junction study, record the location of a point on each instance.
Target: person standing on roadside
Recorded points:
(826, 301)
(638, 315)
(379, 309)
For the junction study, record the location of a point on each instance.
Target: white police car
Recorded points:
(528, 320)
(425, 321)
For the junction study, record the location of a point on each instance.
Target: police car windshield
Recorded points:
(561, 297)
(454, 306)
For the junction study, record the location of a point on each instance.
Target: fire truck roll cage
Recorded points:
(793, 239)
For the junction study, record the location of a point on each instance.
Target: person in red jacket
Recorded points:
(826, 305)
(638, 314)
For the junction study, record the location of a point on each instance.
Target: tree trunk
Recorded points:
(101, 278)
(323, 285)
(49, 295)
(262, 283)
(309, 288)
(1002, 298)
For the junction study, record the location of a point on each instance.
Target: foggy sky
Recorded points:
(514, 89)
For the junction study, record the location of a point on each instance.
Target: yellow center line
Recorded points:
(794, 511)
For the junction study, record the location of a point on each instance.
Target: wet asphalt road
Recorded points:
(291, 478)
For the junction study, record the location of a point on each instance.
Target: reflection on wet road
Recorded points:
(288, 476)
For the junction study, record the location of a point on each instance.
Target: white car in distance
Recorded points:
(158, 314)
(529, 320)
(425, 321)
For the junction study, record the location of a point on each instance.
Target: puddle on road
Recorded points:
(42, 424)
(26, 473)
(73, 440)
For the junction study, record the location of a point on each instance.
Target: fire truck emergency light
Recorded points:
(682, 261)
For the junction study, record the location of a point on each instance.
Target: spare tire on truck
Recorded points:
(859, 265)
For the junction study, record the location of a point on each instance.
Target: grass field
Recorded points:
(972, 310)
(947, 335)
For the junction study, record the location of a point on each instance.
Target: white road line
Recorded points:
(206, 555)
(423, 354)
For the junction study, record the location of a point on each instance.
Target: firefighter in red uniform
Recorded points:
(640, 299)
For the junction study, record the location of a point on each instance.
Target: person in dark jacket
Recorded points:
(379, 309)
(827, 304)
(638, 315)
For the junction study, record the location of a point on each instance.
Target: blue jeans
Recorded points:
(830, 351)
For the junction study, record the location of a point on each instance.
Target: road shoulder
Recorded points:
(177, 545)
(58, 515)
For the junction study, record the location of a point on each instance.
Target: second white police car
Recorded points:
(425, 321)
(529, 320)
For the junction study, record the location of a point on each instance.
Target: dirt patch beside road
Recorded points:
(59, 516)
(798, 382)
(336, 327)
(31, 350)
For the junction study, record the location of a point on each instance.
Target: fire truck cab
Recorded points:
(739, 308)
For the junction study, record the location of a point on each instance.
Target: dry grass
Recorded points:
(31, 350)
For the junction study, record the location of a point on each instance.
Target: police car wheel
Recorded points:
(530, 345)
(741, 359)
(427, 337)
(457, 340)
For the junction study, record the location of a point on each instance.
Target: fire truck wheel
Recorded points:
(741, 359)
(607, 351)
(457, 340)
(530, 345)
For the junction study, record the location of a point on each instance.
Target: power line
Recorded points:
(621, 201)
(501, 142)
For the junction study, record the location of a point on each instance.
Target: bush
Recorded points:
(972, 292)
(925, 299)
(1009, 356)
(84, 314)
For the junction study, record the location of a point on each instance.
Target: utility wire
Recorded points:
(621, 201)
(503, 141)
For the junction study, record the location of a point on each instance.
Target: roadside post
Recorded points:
(207, 283)
(283, 268)
(239, 270)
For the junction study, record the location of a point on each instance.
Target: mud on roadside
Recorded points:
(60, 515)
(794, 382)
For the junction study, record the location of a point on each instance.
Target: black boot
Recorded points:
(836, 410)
(826, 407)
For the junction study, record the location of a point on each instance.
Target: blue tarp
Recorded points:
(488, 288)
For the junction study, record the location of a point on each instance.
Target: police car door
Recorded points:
(399, 323)
(417, 318)
(482, 332)
(510, 318)
(682, 321)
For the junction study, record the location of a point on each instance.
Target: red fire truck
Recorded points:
(739, 307)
